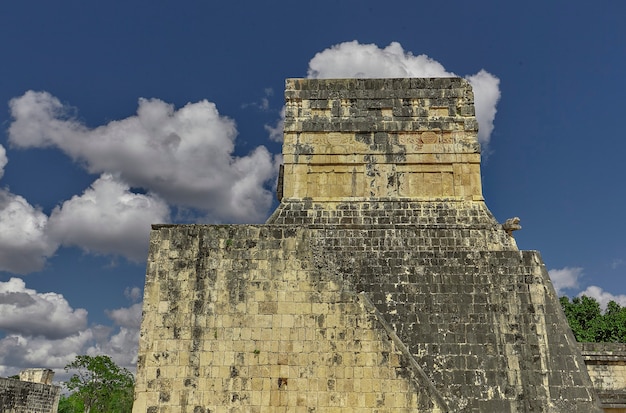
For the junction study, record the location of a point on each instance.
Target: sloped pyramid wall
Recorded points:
(382, 283)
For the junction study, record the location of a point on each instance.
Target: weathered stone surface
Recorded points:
(28, 397)
(392, 299)
(370, 138)
(606, 364)
(245, 318)
(43, 376)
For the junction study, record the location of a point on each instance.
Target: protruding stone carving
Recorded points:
(511, 224)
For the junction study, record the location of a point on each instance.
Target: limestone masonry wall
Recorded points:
(44, 376)
(27, 397)
(382, 283)
(361, 138)
(249, 324)
(606, 363)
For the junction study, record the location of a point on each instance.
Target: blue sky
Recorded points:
(118, 114)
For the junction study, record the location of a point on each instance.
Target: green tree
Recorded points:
(98, 386)
(70, 404)
(615, 323)
(589, 324)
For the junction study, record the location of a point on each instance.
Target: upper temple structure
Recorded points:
(364, 139)
(381, 283)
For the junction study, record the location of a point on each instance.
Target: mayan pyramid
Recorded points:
(381, 283)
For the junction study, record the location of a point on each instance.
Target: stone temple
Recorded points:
(382, 283)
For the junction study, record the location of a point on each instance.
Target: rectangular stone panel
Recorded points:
(377, 124)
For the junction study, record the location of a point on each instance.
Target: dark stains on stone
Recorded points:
(364, 137)
(392, 180)
(198, 306)
(196, 338)
(236, 289)
(370, 166)
(337, 359)
(302, 149)
(240, 358)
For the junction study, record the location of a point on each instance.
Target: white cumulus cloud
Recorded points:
(108, 219)
(276, 132)
(122, 347)
(486, 96)
(24, 242)
(565, 278)
(122, 343)
(568, 278)
(185, 156)
(43, 330)
(129, 317)
(18, 352)
(603, 297)
(354, 60)
(3, 160)
(26, 312)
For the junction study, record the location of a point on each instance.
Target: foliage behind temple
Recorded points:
(590, 324)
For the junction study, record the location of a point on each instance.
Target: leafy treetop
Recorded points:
(98, 386)
(590, 324)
